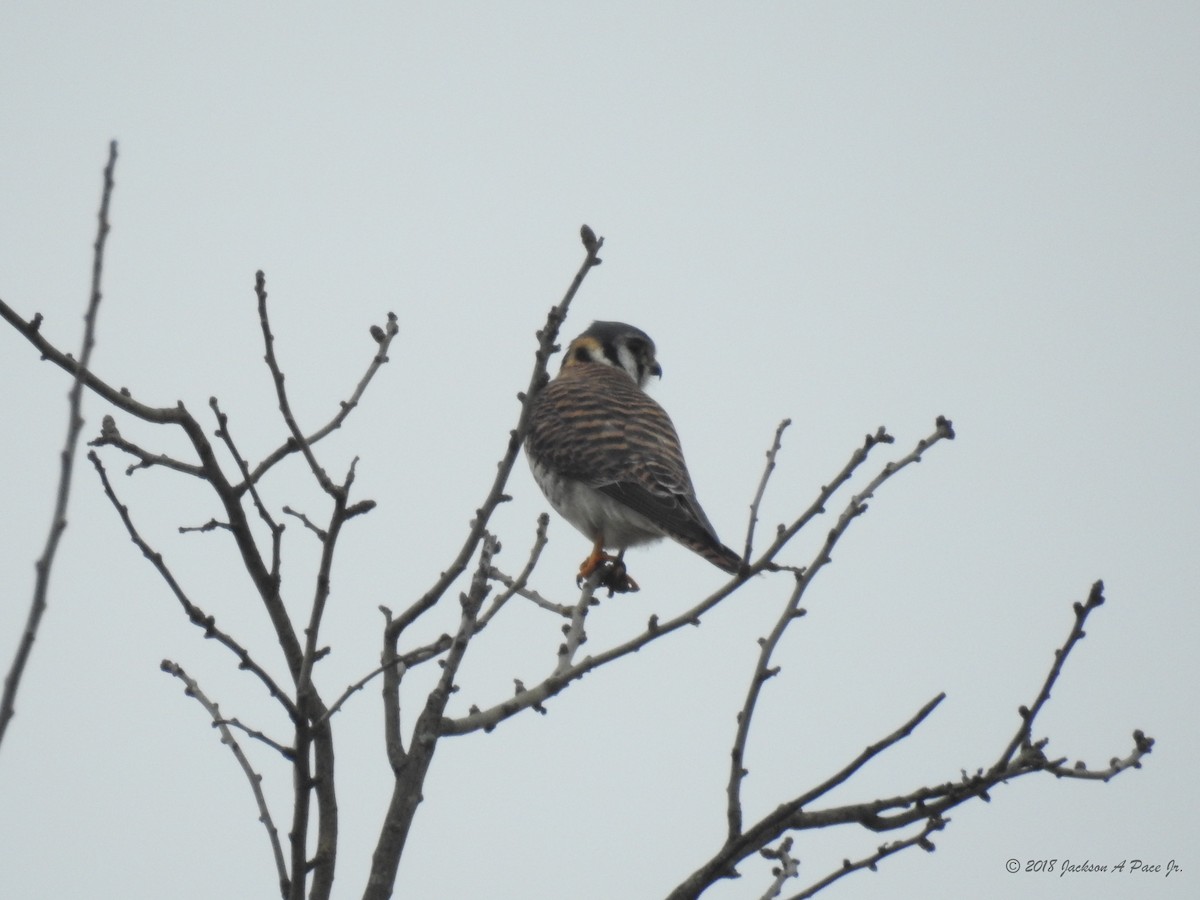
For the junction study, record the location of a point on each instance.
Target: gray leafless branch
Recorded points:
(255, 780)
(58, 521)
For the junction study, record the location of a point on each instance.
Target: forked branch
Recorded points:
(567, 670)
(410, 764)
(924, 805)
(195, 614)
(255, 780)
(792, 611)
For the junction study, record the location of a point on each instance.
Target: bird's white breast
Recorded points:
(593, 513)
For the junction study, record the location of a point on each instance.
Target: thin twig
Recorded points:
(410, 767)
(921, 839)
(286, 752)
(397, 624)
(318, 737)
(275, 528)
(529, 594)
(308, 523)
(573, 631)
(471, 602)
(784, 534)
(383, 337)
(403, 663)
(1023, 736)
(516, 585)
(227, 738)
(285, 406)
(762, 487)
(842, 775)
(656, 629)
(322, 781)
(195, 615)
(121, 399)
(210, 525)
(532, 697)
(788, 867)
(58, 522)
(1141, 746)
(763, 670)
(547, 337)
(265, 582)
(111, 437)
(925, 804)
(226, 435)
(329, 539)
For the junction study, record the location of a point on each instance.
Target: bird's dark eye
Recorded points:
(581, 354)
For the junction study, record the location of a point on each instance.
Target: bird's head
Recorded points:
(618, 345)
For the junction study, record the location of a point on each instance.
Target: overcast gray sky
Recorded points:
(852, 214)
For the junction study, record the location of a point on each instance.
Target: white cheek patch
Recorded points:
(630, 364)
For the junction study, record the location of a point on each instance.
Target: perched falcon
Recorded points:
(607, 456)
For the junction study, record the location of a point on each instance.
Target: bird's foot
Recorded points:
(612, 573)
(617, 579)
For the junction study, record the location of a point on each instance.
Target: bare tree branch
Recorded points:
(315, 778)
(121, 399)
(516, 585)
(846, 772)
(227, 738)
(410, 766)
(275, 528)
(926, 804)
(195, 614)
(789, 867)
(762, 487)
(111, 437)
(792, 611)
(564, 675)
(285, 406)
(414, 765)
(312, 755)
(329, 539)
(529, 594)
(495, 496)
(313, 832)
(58, 522)
(320, 532)
(921, 839)
(210, 525)
(1023, 737)
(286, 752)
(383, 337)
(404, 663)
(573, 630)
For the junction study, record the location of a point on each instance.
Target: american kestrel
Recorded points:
(607, 456)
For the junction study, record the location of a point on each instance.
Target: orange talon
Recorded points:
(597, 559)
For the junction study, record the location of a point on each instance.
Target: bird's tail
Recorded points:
(722, 557)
